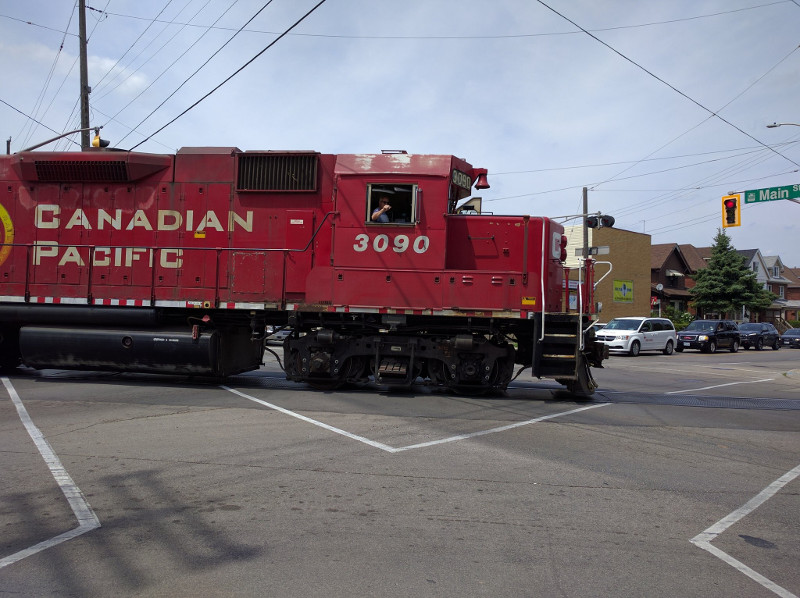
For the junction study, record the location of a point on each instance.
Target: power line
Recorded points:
(672, 87)
(190, 77)
(635, 162)
(236, 72)
(98, 84)
(174, 62)
(31, 118)
(468, 37)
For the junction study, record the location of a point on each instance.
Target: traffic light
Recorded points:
(731, 210)
(599, 221)
(97, 142)
(606, 220)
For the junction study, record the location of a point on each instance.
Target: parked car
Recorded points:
(277, 335)
(709, 335)
(597, 326)
(791, 338)
(759, 335)
(635, 334)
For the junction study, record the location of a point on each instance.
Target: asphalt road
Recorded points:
(679, 478)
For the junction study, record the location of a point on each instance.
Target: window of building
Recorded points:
(780, 292)
(391, 203)
(755, 267)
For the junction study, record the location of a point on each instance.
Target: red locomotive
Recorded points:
(127, 261)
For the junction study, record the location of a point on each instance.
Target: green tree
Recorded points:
(679, 319)
(727, 284)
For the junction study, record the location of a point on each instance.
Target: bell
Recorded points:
(481, 182)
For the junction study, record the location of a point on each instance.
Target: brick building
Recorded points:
(625, 291)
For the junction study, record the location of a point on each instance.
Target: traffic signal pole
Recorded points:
(585, 226)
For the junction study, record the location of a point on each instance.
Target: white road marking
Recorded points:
(703, 540)
(87, 520)
(674, 392)
(392, 449)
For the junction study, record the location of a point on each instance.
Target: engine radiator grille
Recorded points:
(277, 172)
(81, 171)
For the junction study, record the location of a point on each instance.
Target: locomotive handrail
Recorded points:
(29, 247)
(140, 246)
(541, 280)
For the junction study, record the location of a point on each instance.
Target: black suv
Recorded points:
(709, 335)
(759, 335)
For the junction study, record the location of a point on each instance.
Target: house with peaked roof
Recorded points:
(776, 281)
(792, 312)
(778, 284)
(669, 272)
(769, 274)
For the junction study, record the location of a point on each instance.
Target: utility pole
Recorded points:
(585, 227)
(85, 89)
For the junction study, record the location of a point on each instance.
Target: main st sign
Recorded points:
(791, 192)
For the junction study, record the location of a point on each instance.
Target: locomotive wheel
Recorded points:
(321, 383)
(438, 372)
(584, 386)
(353, 372)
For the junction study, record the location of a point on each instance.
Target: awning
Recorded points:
(674, 273)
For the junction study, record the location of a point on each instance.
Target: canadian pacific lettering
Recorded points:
(51, 216)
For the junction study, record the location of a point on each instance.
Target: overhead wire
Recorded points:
(40, 98)
(471, 37)
(155, 52)
(99, 84)
(752, 162)
(657, 78)
(174, 62)
(73, 119)
(190, 77)
(236, 72)
(28, 116)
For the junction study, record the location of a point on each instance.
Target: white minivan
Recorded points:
(635, 334)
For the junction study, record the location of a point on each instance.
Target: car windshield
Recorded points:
(750, 327)
(623, 324)
(701, 325)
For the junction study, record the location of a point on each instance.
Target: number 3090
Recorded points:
(399, 243)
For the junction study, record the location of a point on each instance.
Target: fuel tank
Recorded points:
(211, 353)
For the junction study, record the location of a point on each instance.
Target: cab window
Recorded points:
(391, 203)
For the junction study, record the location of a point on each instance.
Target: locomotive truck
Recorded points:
(138, 262)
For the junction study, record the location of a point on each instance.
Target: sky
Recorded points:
(658, 108)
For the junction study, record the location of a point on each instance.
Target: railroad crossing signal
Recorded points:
(601, 221)
(731, 210)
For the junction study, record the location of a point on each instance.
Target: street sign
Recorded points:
(601, 250)
(772, 194)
